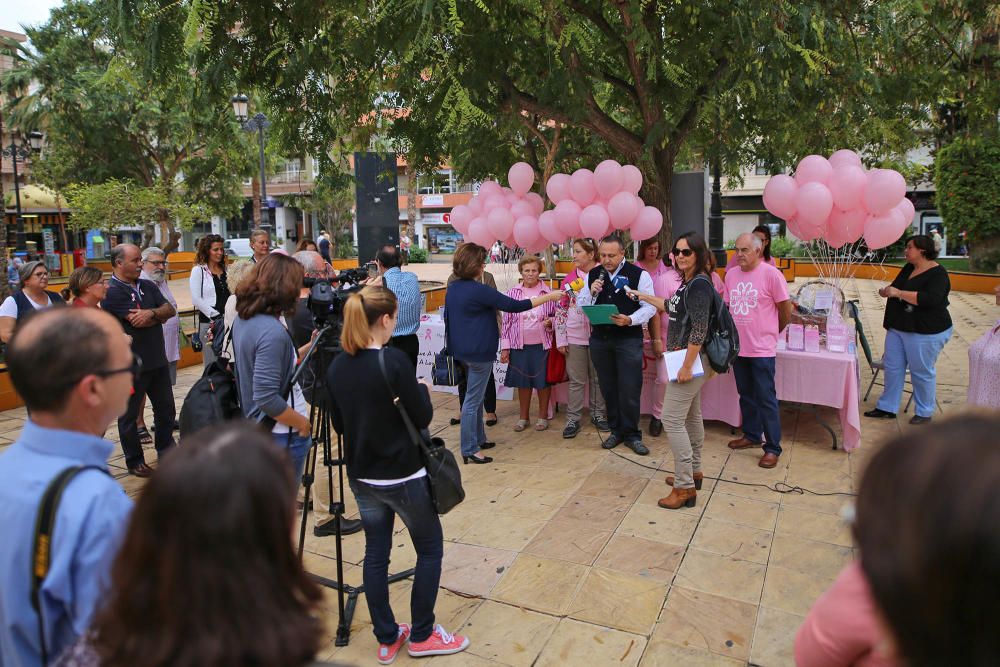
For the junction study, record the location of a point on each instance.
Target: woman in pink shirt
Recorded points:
(525, 341)
(651, 258)
(573, 341)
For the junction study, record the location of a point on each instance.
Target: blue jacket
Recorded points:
(471, 315)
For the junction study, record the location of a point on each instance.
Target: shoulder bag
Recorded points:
(442, 469)
(447, 371)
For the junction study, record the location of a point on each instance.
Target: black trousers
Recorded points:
(489, 400)
(154, 383)
(618, 362)
(409, 344)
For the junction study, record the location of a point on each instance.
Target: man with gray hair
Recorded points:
(758, 301)
(316, 268)
(154, 269)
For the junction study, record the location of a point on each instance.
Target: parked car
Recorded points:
(238, 248)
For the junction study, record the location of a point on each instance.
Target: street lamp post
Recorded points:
(715, 217)
(14, 152)
(257, 124)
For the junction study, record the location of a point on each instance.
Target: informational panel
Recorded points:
(376, 203)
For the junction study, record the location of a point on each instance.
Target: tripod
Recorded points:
(322, 422)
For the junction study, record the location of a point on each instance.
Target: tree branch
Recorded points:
(687, 121)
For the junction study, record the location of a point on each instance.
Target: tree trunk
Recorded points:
(255, 193)
(4, 286)
(169, 237)
(656, 192)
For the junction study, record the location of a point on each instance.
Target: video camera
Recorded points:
(326, 302)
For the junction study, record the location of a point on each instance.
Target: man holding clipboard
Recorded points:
(616, 338)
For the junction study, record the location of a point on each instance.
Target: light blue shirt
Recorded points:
(89, 527)
(406, 287)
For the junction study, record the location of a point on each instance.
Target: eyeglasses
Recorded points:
(157, 262)
(683, 252)
(41, 274)
(135, 368)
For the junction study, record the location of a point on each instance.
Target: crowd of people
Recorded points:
(107, 589)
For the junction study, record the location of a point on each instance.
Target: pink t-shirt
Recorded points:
(532, 330)
(664, 286)
(753, 297)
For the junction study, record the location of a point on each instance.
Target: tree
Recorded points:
(968, 196)
(331, 202)
(112, 115)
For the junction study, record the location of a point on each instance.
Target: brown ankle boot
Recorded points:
(678, 498)
(698, 477)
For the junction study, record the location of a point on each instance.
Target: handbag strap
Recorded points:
(414, 434)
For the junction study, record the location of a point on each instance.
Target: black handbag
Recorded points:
(447, 371)
(442, 469)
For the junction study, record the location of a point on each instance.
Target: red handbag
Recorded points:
(555, 369)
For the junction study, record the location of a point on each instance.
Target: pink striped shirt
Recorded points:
(510, 331)
(572, 326)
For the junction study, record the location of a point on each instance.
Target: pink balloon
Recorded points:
(480, 234)
(581, 186)
(568, 218)
(906, 209)
(510, 243)
(883, 230)
(536, 202)
(557, 188)
(813, 204)
(512, 198)
(884, 190)
(847, 185)
(792, 224)
(547, 227)
(623, 208)
(808, 232)
(461, 216)
(608, 178)
(594, 221)
(476, 206)
(494, 201)
(521, 209)
(631, 179)
(845, 158)
(779, 196)
(526, 231)
(647, 224)
(521, 177)
(500, 223)
(813, 169)
(846, 225)
(539, 246)
(488, 188)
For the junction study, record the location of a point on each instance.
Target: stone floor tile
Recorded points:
(624, 601)
(473, 570)
(704, 621)
(600, 513)
(507, 634)
(735, 541)
(638, 556)
(655, 523)
(818, 478)
(751, 491)
(814, 503)
(542, 584)
(793, 591)
(576, 643)
(570, 540)
(721, 575)
(658, 488)
(774, 638)
(457, 522)
(530, 503)
(742, 511)
(503, 531)
(612, 486)
(546, 479)
(814, 526)
(620, 466)
(662, 653)
(808, 556)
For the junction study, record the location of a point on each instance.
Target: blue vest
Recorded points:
(24, 306)
(615, 294)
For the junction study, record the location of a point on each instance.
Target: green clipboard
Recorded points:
(600, 314)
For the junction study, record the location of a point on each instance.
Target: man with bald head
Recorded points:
(758, 301)
(73, 368)
(142, 310)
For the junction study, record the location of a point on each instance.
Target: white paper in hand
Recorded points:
(676, 359)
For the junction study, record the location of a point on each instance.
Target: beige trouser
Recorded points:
(580, 369)
(684, 427)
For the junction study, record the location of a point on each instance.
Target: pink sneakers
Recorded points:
(439, 643)
(388, 652)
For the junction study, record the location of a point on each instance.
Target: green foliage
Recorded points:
(418, 255)
(968, 195)
(115, 203)
(331, 202)
(782, 246)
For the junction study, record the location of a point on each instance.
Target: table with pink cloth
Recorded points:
(810, 378)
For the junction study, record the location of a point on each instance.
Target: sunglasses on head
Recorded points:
(683, 252)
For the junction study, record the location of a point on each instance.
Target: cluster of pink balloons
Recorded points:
(587, 203)
(837, 201)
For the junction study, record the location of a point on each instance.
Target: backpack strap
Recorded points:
(42, 540)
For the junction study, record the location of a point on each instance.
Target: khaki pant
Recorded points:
(580, 369)
(684, 427)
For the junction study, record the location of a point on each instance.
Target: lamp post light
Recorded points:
(15, 151)
(258, 123)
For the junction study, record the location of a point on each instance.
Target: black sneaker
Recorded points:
(655, 427)
(878, 413)
(917, 419)
(611, 442)
(347, 527)
(602, 424)
(637, 447)
(572, 428)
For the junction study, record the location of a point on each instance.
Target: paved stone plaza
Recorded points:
(560, 556)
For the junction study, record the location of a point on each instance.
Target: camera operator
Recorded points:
(387, 473)
(315, 267)
(406, 287)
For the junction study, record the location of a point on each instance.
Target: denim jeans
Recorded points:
(759, 401)
(297, 450)
(618, 361)
(920, 353)
(478, 374)
(379, 506)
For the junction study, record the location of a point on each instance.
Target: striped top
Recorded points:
(510, 336)
(406, 287)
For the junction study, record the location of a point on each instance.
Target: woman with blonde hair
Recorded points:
(88, 287)
(386, 471)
